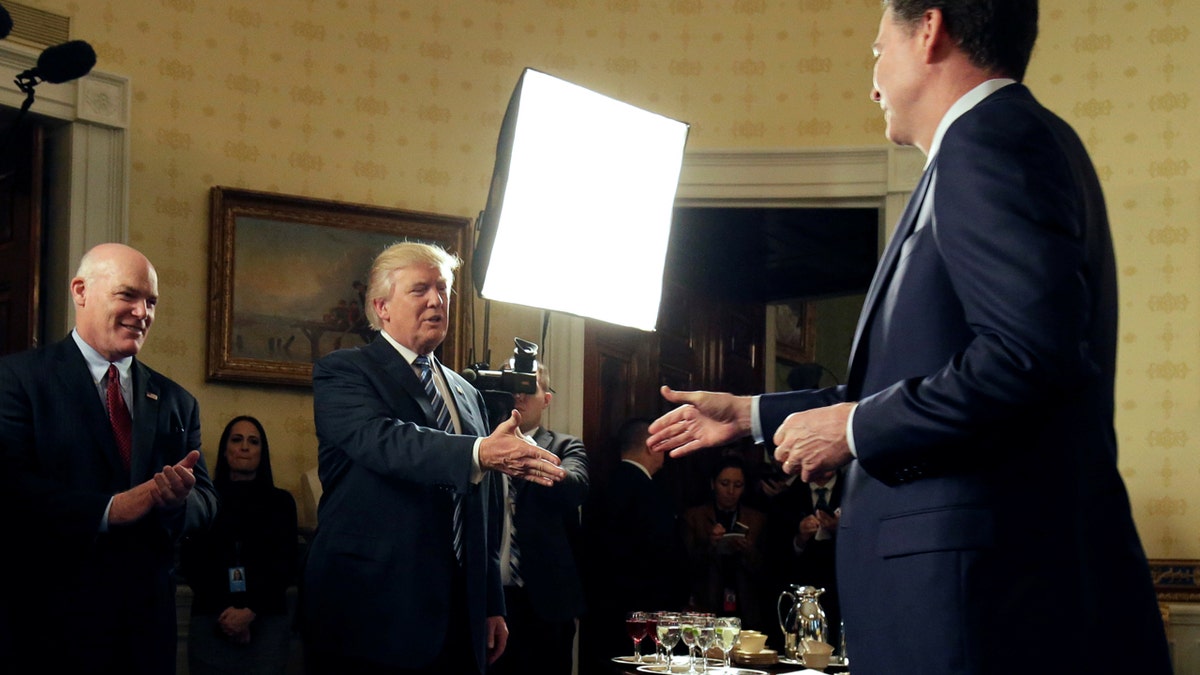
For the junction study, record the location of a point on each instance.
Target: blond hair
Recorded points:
(398, 256)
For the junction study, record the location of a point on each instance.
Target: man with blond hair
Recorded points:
(403, 574)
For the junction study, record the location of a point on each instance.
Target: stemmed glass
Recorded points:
(668, 634)
(652, 632)
(705, 635)
(635, 628)
(727, 628)
(688, 631)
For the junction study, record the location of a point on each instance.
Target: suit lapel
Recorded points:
(469, 415)
(883, 273)
(400, 372)
(145, 421)
(75, 380)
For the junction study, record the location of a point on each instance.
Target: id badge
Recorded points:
(237, 579)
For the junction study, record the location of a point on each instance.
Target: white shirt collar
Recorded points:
(97, 364)
(962, 105)
(639, 465)
(408, 354)
(832, 481)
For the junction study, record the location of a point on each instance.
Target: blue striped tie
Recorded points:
(514, 548)
(442, 415)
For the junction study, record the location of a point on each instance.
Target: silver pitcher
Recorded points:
(800, 616)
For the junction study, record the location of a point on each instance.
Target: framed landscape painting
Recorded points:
(288, 276)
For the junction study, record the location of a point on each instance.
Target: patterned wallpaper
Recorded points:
(398, 102)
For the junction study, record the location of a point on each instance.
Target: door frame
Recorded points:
(87, 191)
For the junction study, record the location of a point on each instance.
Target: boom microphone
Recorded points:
(6, 23)
(62, 63)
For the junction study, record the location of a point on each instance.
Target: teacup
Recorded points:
(816, 654)
(752, 641)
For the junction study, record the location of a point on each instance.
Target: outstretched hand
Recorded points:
(705, 420)
(508, 451)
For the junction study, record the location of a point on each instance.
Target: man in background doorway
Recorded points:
(635, 549)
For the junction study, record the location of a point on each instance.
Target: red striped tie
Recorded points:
(118, 415)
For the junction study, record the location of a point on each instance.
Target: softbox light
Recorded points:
(579, 212)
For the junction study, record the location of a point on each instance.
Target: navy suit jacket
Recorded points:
(381, 566)
(985, 509)
(547, 524)
(60, 467)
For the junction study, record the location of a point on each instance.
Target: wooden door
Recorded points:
(20, 236)
(703, 342)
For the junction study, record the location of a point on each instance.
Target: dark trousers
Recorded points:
(535, 645)
(457, 656)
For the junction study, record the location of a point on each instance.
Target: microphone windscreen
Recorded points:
(66, 62)
(5, 23)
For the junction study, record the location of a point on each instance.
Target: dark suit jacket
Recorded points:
(380, 569)
(985, 357)
(547, 524)
(635, 561)
(60, 469)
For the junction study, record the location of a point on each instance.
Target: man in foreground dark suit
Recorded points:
(985, 354)
(98, 486)
(542, 591)
(403, 573)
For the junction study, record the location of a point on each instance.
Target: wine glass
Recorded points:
(705, 636)
(727, 629)
(668, 634)
(635, 628)
(652, 632)
(687, 632)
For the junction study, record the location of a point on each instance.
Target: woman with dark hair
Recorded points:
(240, 569)
(722, 539)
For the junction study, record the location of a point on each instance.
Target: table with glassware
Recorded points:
(716, 645)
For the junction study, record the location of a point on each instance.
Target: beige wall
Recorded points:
(398, 102)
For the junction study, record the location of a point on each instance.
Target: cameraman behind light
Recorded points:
(542, 587)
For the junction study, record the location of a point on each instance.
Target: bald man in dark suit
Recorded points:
(101, 474)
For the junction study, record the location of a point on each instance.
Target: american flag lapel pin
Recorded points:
(152, 396)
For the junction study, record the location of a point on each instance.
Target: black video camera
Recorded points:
(519, 378)
(498, 386)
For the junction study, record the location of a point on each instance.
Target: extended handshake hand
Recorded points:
(811, 443)
(508, 451)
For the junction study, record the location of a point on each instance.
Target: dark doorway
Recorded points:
(21, 189)
(725, 266)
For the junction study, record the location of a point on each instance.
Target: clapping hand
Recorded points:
(168, 488)
(174, 483)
